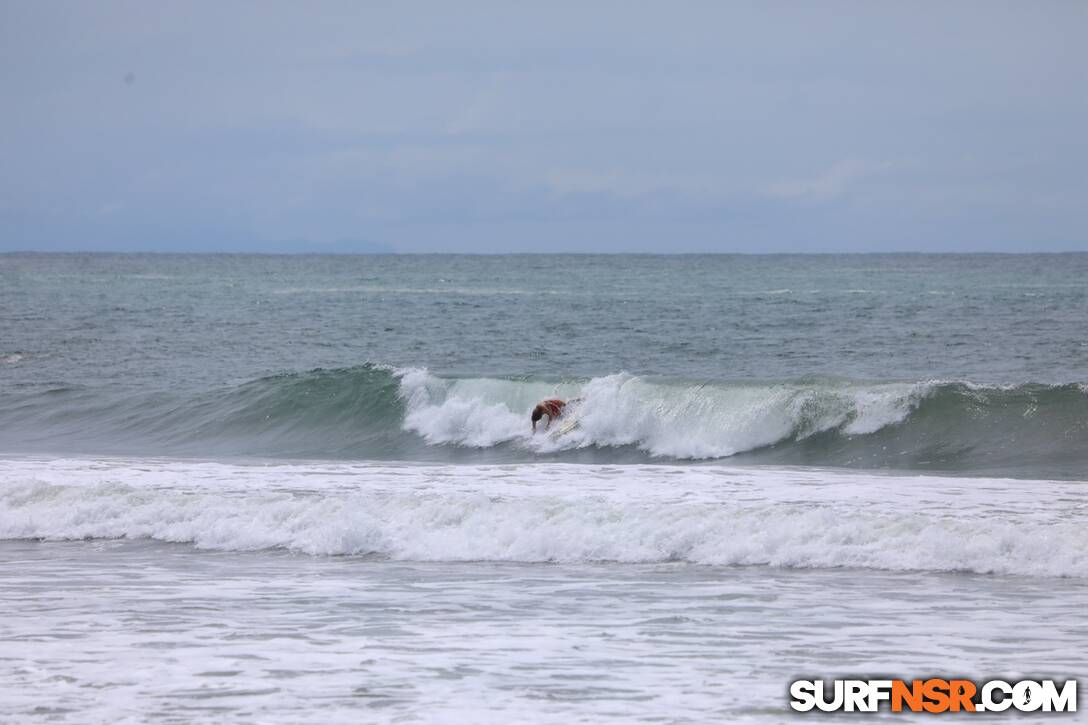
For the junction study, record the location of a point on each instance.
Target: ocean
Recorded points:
(297, 489)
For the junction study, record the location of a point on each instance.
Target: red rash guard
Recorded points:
(553, 408)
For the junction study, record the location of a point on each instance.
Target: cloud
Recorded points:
(718, 127)
(831, 184)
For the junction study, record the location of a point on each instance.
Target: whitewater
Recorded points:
(691, 421)
(535, 592)
(559, 513)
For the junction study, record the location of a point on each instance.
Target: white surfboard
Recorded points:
(567, 426)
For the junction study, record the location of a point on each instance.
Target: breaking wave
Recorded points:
(675, 420)
(376, 412)
(559, 513)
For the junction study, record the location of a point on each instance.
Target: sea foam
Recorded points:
(560, 513)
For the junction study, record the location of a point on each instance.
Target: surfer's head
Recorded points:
(538, 413)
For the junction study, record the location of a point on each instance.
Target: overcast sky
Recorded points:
(590, 126)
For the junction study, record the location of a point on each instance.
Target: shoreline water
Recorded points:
(136, 630)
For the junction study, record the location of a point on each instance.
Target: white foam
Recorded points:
(879, 406)
(692, 421)
(471, 412)
(561, 513)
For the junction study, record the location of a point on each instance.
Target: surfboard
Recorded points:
(567, 426)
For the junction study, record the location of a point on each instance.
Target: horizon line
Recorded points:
(206, 253)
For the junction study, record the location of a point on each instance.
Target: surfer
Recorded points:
(553, 408)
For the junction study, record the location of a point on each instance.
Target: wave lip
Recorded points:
(561, 513)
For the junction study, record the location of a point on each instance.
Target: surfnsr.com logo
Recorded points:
(933, 695)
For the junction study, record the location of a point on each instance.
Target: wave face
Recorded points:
(375, 412)
(559, 513)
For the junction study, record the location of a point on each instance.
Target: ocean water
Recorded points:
(295, 489)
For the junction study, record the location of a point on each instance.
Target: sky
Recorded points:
(544, 127)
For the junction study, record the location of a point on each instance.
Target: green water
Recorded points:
(163, 353)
